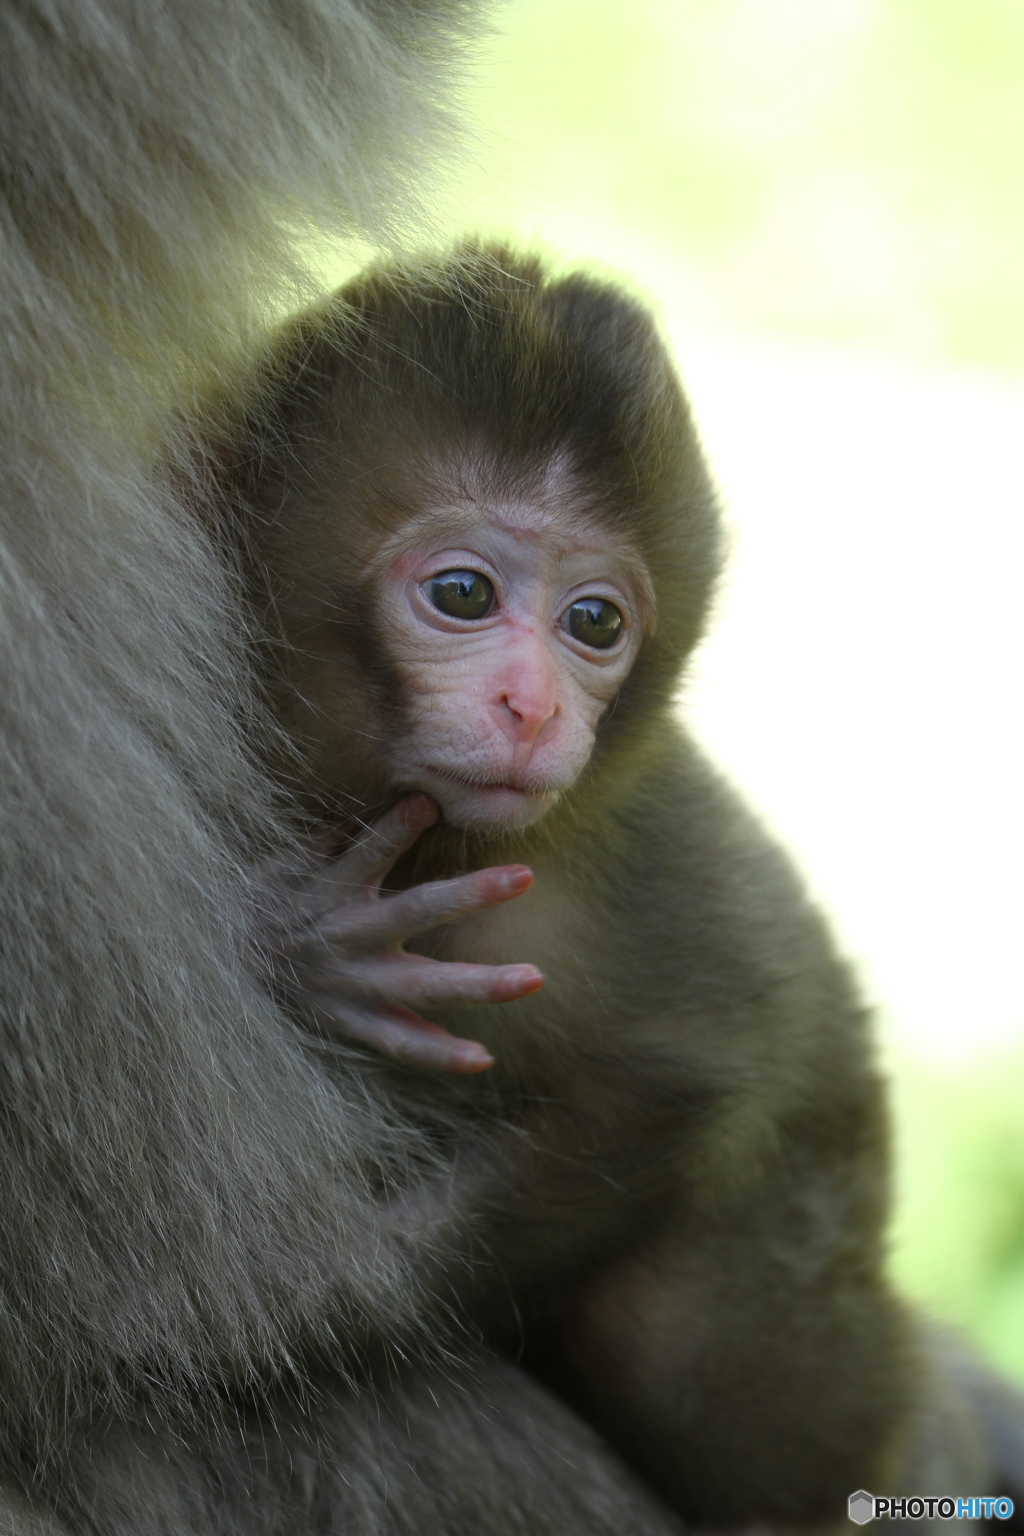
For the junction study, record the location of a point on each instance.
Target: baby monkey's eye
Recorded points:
(461, 594)
(594, 621)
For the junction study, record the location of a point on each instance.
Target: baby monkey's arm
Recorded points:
(335, 943)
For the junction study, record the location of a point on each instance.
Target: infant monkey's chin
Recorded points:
(492, 808)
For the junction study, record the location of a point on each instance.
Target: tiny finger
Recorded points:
(364, 865)
(404, 1036)
(448, 984)
(430, 905)
(417, 982)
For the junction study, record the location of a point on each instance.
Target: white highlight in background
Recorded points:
(864, 675)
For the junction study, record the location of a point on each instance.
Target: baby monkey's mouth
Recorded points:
(479, 781)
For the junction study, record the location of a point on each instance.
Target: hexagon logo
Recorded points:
(862, 1507)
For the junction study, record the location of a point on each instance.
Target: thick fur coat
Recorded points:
(191, 1201)
(668, 1195)
(181, 1188)
(187, 1195)
(195, 1251)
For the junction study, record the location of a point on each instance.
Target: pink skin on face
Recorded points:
(504, 708)
(502, 711)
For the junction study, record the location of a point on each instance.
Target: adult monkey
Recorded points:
(187, 1197)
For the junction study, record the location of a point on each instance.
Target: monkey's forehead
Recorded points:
(562, 533)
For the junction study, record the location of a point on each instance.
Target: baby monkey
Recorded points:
(479, 537)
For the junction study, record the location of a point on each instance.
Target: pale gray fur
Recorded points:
(484, 1451)
(189, 1199)
(184, 1190)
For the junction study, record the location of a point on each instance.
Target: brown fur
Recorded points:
(670, 1192)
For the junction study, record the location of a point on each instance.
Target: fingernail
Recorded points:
(517, 878)
(476, 1060)
(418, 806)
(521, 980)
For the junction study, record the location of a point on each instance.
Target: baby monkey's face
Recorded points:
(513, 626)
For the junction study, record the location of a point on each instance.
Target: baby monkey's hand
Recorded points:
(336, 943)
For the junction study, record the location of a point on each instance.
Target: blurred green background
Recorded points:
(840, 168)
(825, 200)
